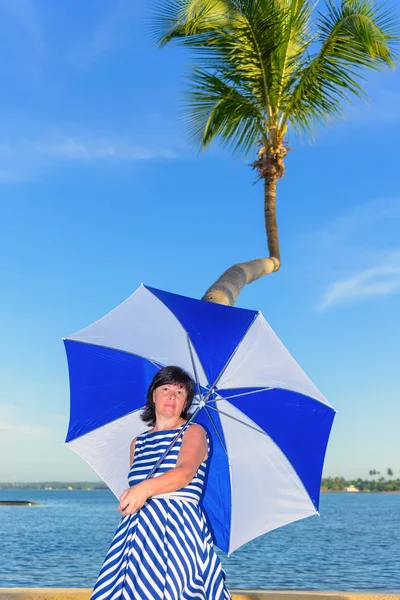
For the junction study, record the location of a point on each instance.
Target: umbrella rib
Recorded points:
(193, 364)
(104, 425)
(216, 431)
(210, 391)
(237, 395)
(239, 421)
(154, 362)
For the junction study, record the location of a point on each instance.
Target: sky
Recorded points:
(100, 191)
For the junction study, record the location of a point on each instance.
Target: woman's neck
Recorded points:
(164, 424)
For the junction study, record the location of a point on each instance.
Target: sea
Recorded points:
(354, 545)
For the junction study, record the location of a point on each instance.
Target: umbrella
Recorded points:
(267, 423)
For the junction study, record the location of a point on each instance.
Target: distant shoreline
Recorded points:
(360, 492)
(328, 485)
(104, 488)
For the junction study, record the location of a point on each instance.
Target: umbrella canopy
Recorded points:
(267, 423)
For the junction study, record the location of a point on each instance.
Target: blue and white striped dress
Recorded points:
(165, 549)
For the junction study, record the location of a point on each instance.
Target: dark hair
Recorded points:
(173, 375)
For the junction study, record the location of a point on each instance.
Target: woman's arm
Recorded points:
(132, 451)
(191, 454)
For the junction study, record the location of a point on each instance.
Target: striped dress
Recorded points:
(164, 550)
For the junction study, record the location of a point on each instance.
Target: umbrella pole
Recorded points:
(176, 438)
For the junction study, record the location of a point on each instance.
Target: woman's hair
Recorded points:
(168, 375)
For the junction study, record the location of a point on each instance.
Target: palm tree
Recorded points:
(390, 473)
(263, 68)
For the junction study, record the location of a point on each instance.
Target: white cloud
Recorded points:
(383, 280)
(351, 234)
(354, 222)
(23, 161)
(356, 255)
(99, 149)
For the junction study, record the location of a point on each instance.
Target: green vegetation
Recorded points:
(339, 484)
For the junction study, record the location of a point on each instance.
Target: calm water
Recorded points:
(354, 545)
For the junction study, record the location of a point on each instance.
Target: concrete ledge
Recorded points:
(84, 594)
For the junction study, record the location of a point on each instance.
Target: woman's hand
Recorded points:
(133, 498)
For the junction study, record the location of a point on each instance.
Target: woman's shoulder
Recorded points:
(196, 436)
(196, 427)
(196, 430)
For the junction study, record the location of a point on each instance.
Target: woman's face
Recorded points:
(170, 400)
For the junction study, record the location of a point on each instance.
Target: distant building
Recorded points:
(70, 487)
(352, 488)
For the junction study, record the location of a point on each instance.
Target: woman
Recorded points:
(162, 547)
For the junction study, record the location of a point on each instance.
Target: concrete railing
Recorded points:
(84, 594)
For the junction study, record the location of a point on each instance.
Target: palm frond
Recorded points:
(359, 33)
(241, 36)
(353, 36)
(298, 36)
(188, 21)
(217, 109)
(254, 70)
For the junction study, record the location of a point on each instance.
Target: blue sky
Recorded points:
(99, 191)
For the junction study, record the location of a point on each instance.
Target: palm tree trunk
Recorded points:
(228, 287)
(271, 226)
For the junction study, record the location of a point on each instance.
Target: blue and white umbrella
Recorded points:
(268, 424)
